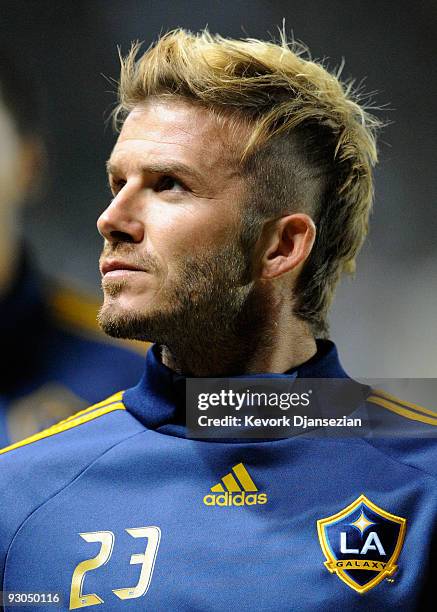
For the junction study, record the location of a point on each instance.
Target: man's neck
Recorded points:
(275, 346)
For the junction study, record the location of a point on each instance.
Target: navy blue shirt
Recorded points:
(115, 508)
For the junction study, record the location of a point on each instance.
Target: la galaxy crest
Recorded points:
(362, 543)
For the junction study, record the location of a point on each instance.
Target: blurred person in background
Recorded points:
(55, 360)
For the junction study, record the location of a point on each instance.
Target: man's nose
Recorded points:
(120, 221)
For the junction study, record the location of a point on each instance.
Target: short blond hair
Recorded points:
(311, 144)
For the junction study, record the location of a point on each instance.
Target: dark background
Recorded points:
(385, 320)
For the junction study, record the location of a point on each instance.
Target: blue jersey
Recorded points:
(55, 361)
(116, 509)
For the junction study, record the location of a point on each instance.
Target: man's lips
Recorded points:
(114, 266)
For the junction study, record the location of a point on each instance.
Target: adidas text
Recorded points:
(235, 499)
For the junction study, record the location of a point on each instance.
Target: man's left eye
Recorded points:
(169, 183)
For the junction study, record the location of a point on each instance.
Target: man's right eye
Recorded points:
(169, 183)
(116, 185)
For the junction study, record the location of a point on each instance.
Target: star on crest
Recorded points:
(362, 522)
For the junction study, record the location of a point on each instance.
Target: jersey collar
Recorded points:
(158, 400)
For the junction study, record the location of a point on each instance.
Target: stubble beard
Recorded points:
(203, 307)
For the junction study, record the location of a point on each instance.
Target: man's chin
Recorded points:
(130, 324)
(119, 323)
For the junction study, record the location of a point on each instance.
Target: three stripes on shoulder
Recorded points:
(114, 402)
(402, 408)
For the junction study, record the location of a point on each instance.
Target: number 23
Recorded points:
(106, 538)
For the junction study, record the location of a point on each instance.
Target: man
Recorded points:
(55, 359)
(242, 184)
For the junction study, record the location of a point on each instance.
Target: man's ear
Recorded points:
(286, 245)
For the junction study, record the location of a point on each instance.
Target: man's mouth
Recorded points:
(110, 268)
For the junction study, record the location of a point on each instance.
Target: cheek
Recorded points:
(181, 233)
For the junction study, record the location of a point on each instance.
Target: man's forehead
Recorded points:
(171, 121)
(176, 127)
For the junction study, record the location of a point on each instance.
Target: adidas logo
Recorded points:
(233, 492)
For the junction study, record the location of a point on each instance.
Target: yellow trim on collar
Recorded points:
(84, 416)
(116, 397)
(404, 412)
(403, 403)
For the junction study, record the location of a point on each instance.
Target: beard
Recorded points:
(205, 305)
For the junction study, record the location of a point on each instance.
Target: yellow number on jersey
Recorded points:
(147, 560)
(77, 599)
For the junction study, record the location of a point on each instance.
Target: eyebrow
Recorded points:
(160, 168)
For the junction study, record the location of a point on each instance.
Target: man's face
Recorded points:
(172, 262)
